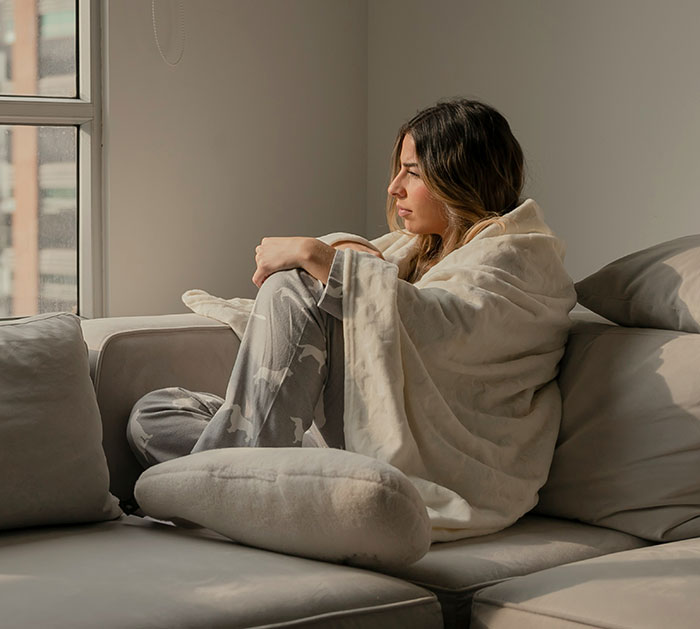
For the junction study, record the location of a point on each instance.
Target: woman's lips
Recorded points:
(403, 212)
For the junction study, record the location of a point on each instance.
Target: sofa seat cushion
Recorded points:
(646, 588)
(134, 572)
(456, 570)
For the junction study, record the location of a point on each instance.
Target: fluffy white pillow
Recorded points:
(52, 466)
(315, 502)
(658, 287)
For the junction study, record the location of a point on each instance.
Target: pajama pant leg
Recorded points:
(288, 373)
(165, 424)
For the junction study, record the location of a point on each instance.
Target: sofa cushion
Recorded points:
(135, 573)
(628, 452)
(658, 287)
(315, 502)
(645, 588)
(456, 570)
(52, 467)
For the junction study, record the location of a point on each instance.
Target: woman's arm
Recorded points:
(280, 253)
(310, 254)
(317, 258)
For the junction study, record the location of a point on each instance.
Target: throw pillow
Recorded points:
(52, 467)
(628, 452)
(658, 287)
(321, 503)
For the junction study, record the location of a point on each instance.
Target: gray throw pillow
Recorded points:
(321, 503)
(628, 451)
(658, 287)
(52, 466)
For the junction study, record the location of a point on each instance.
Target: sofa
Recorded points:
(613, 541)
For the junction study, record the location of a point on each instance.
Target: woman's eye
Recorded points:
(410, 172)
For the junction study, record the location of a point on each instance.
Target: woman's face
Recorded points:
(421, 211)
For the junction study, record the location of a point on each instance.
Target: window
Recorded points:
(50, 230)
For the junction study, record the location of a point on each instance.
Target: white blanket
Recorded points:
(451, 379)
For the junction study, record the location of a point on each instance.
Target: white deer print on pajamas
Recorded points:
(238, 421)
(314, 352)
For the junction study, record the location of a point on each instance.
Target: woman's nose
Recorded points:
(395, 188)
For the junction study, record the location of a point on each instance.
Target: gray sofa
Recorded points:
(547, 570)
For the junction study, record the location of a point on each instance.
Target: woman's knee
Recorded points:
(294, 285)
(165, 423)
(176, 399)
(290, 278)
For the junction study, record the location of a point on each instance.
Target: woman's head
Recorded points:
(467, 159)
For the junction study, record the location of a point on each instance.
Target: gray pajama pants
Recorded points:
(288, 375)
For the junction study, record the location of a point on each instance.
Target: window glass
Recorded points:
(38, 48)
(38, 219)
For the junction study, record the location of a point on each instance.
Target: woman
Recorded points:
(434, 347)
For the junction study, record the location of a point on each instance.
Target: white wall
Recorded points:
(603, 95)
(280, 117)
(260, 130)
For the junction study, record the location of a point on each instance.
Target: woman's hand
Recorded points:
(278, 254)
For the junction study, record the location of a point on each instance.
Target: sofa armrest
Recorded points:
(130, 356)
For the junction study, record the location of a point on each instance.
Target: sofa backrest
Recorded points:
(131, 356)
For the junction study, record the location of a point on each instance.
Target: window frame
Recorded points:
(85, 112)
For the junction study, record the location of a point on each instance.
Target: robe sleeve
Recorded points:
(396, 247)
(331, 300)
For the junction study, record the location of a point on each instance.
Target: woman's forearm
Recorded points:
(317, 259)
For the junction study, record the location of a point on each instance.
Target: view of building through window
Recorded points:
(38, 164)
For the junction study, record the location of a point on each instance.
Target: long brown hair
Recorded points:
(470, 161)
